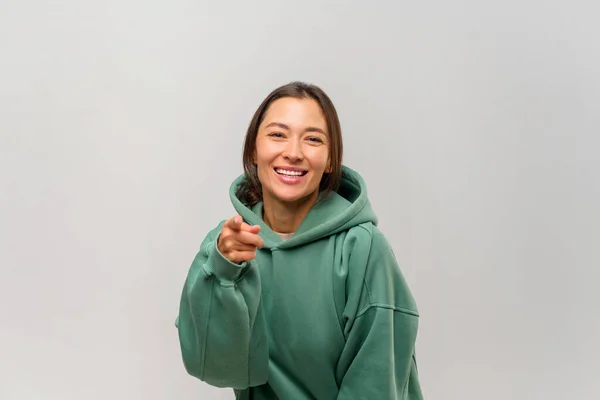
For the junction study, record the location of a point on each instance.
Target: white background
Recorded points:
(475, 125)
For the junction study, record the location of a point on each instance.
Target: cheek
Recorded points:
(320, 159)
(264, 152)
(259, 156)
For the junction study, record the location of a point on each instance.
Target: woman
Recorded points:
(299, 295)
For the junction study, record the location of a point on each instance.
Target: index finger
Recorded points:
(234, 223)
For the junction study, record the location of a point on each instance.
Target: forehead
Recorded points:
(296, 113)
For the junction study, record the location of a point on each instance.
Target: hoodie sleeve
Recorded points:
(221, 327)
(378, 360)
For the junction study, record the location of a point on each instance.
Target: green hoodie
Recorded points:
(324, 315)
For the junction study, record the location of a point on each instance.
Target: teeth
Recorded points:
(289, 173)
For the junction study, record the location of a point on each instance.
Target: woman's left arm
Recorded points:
(378, 360)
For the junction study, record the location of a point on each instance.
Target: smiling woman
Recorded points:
(287, 110)
(291, 154)
(299, 295)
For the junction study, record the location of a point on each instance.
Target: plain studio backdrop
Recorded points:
(475, 125)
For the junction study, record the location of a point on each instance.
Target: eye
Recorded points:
(315, 139)
(275, 134)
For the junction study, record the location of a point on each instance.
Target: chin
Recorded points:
(292, 197)
(289, 197)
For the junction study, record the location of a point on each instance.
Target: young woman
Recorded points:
(299, 296)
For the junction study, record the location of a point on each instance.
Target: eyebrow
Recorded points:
(309, 129)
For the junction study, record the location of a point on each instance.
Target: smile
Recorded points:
(290, 173)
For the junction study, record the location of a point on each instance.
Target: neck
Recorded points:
(286, 217)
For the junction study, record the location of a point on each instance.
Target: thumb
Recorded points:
(250, 228)
(254, 229)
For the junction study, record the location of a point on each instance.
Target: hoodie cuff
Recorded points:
(222, 268)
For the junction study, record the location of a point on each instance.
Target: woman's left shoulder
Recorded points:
(374, 265)
(370, 235)
(370, 245)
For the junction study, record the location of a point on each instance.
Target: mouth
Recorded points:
(291, 172)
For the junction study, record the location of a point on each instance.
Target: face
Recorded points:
(292, 150)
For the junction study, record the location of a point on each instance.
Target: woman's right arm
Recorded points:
(221, 324)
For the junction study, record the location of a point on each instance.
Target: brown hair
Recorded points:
(250, 191)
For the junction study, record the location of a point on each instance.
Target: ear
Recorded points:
(254, 158)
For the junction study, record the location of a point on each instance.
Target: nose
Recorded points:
(293, 151)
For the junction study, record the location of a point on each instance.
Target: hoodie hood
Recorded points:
(339, 211)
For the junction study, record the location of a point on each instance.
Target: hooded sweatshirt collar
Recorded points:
(339, 211)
